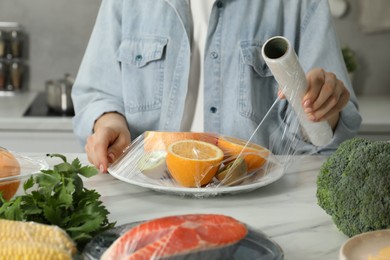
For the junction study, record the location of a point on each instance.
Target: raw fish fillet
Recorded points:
(176, 235)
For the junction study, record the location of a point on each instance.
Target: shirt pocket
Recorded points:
(142, 68)
(256, 90)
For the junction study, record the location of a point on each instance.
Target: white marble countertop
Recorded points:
(286, 210)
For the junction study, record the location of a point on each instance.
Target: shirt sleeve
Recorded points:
(97, 88)
(319, 47)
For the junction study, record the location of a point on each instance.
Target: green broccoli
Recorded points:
(353, 186)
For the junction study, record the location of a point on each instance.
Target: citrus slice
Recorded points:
(255, 155)
(154, 140)
(9, 166)
(153, 164)
(193, 163)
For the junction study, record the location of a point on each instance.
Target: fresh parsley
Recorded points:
(58, 197)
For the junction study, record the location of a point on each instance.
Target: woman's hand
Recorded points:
(326, 96)
(111, 136)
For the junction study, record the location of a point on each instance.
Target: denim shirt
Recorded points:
(137, 64)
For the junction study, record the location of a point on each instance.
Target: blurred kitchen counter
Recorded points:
(375, 111)
(20, 133)
(13, 107)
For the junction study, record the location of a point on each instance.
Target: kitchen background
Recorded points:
(58, 32)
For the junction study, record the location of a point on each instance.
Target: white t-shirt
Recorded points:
(193, 119)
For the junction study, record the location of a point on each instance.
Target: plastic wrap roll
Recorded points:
(284, 65)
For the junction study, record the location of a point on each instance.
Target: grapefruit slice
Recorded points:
(193, 163)
(254, 155)
(155, 140)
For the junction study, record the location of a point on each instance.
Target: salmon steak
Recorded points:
(176, 235)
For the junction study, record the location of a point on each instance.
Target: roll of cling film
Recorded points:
(284, 65)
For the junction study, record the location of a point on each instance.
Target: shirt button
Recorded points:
(138, 57)
(213, 110)
(214, 55)
(219, 4)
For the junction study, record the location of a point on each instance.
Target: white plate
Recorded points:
(167, 185)
(365, 245)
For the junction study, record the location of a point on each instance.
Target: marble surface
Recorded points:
(286, 210)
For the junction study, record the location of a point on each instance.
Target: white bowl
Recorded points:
(366, 246)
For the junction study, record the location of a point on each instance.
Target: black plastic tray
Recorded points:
(256, 245)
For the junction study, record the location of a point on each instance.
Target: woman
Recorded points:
(147, 61)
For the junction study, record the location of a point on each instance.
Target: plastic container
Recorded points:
(14, 175)
(255, 245)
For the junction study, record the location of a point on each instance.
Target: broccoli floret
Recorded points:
(353, 186)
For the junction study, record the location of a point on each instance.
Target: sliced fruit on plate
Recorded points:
(255, 155)
(193, 163)
(154, 140)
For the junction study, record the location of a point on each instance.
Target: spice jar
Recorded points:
(16, 75)
(3, 75)
(16, 44)
(3, 44)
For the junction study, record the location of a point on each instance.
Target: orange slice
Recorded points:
(9, 166)
(193, 163)
(254, 155)
(154, 140)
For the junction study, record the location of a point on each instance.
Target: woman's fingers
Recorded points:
(97, 148)
(334, 103)
(315, 79)
(111, 136)
(326, 95)
(105, 146)
(116, 149)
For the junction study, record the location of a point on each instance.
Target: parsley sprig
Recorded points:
(58, 197)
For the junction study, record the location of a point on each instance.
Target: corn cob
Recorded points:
(25, 250)
(31, 233)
